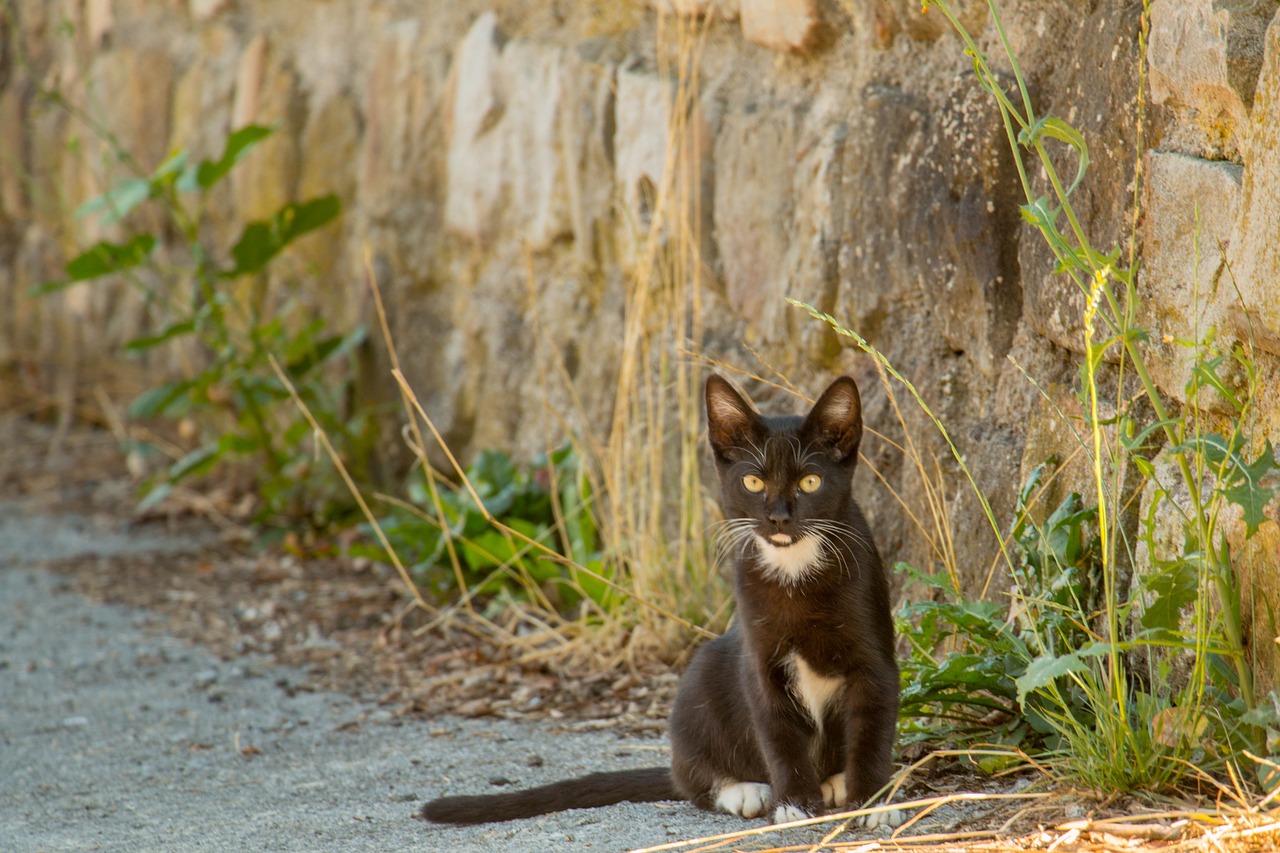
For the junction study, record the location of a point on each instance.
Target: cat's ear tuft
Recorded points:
(731, 421)
(836, 419)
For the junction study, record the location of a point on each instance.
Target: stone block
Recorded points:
(793, 25)
(528, 142)
(1204, 57)
(100, 20)
(1191, 209)
(586, 122)
(725, 10)
(1254, 254)
(932, 221)
(1093, 87)
(777, 219)
(400, 132)
(267, 94)
(249, 75)
(662, 167)
(135, 86)
(203, 10)
(14, 165)
(475, 153)
(755, 156)
(526, 150)
(329, 146)
(1255, 562)
(203, 95)
(811, 263)
(908, 17)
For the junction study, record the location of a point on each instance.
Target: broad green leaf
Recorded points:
(596, 589)
(1055, 128)
(1240, 482)
(1040, 214)
(236, 443)
(176, 163)
(239, 143)
(154, 496)
(262, 241)
(1175, 586)
(321, 351)
(196, 462)
(1043, 670)
(1248, 491)
(1204, 374)
(146, 342)
(102, 259)
(156, 401)
(1214, 447)
(118, 202)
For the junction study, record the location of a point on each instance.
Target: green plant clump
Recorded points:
(1116, 680)
(219, 303)
(503, 534)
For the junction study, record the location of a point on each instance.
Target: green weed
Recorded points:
(556, 557)
(217, 305)
(1078, 668)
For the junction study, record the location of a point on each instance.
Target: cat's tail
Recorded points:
(647, 785)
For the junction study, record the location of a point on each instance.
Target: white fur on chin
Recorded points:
(792, 563)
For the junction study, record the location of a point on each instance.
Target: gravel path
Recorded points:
(116, 737)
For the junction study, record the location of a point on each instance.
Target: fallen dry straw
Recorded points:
(1191, 831)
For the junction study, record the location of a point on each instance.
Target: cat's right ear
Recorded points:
(731, 421)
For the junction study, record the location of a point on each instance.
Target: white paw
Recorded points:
(745, 799)
(891, 818)
(834, 792)
(787, 813)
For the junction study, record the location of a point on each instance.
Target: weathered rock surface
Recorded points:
(1204, 59)
(1255, 251)
(1192, 206)
(511, 167)
(782, 24)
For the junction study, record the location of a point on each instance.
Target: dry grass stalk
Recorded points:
(1240, 831)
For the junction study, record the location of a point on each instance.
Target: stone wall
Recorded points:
(501, 161)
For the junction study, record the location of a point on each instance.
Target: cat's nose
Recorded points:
(779, 513)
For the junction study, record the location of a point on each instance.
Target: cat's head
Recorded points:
(785, 481)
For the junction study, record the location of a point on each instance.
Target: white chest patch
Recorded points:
(815, 692)
(792, 563)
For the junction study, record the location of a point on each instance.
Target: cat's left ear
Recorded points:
(731, 421)
(836, 419)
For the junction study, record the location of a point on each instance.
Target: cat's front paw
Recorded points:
(834, 791)
(787, 812)
(745, 799)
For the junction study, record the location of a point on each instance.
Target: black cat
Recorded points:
(795, 707)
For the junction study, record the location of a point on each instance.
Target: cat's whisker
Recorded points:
(832, 549)
(732, 536)
(845, 531)
(831, 533)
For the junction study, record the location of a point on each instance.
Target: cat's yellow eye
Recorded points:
(810, 483)
(753, 484)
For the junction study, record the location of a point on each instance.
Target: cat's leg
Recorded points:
(871, 709)
(835, 796)
(786, 740)
(714, 759)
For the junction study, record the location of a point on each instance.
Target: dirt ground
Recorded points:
(351, 626)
